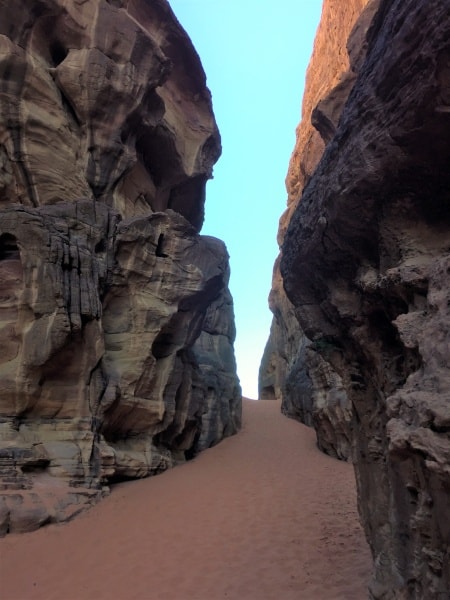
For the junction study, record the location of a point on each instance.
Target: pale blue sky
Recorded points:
(255, 54)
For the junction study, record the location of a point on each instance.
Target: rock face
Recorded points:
(116, 322)
(366, 267)
(292, 369)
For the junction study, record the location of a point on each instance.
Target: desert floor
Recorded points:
(262, 516)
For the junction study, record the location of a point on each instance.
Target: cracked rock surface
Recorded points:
(116, 322)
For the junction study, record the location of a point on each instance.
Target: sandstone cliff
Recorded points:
(116, 322)
(365, 265)
(292, 369)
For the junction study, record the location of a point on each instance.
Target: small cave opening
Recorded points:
(164, 344)
(100, 246)
(156, 150)
(57, 52)
(159, 247)
(9, 249)
(413, 493)
(38, 465)
(381, 323)
(153, 106)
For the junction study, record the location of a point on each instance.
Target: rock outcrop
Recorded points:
(366, 265)
(292, 369)
(116, 322)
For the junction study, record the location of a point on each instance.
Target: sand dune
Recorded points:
(262, 516)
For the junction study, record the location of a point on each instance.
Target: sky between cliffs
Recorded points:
(255, 54)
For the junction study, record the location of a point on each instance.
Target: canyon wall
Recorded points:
(116, 322)
(292, 368)
(365, 267)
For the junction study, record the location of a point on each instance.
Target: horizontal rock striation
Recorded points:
(366, 264)
(116, 322)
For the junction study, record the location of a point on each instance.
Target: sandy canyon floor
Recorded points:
(262, 516)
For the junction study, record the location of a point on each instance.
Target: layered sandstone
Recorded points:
(365, 264)
(116, 321)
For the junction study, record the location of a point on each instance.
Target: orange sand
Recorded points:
(262, 516)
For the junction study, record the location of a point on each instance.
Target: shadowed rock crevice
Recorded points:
(8, 247)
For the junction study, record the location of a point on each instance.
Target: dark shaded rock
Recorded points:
(285, 372)
(366, 263)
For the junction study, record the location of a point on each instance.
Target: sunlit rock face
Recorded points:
(116, 322)
(366, 266)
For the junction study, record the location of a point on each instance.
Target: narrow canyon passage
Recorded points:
(262, 516)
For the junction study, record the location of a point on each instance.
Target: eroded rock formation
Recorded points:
(366, 265)
(116, 322)
(292, 369)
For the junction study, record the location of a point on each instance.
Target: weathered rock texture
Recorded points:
(366, 266)
(116, 322)
(292, 369)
